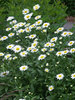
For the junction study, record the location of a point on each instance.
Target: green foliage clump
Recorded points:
(71, 6)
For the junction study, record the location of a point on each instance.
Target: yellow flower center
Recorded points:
(59, 75)
(27, 29)
(73, 50)
(42, 57)
(51, 49)
(65, 51)
(34, 50)
(11, 33)
(4, 37)
(15, 26)
(59, 53)
(60, 29)
(36, 7)
(8, 56)
(51, 88)
(65, 33)
(17, 48)
(32, 35)
(25, 11)
(70, 42)
(21, 30)
(69, 33)
(34, 44)
(47, 44)
(52, 44)
(1, 54)
(38, 22)
(73, 75)
(53, 39)
(10, 46)
(45, 24)
(32, 25)
(27, 16)
(23, 67)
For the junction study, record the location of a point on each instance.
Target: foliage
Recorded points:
(71, 6)
(29, 75)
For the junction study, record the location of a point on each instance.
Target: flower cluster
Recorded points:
(33, 48)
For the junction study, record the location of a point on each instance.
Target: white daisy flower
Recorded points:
(72, 50)
(47, 44)
(7, 56)
(10, 58)
(29, 48)
(17, 41)
(32, 26)
(51, 49)
(46, 70)
(23, 53)
(60, 38)
(39, 22)
(21, 24)
(10, 18)
(59, 53)
(56, 32)
(13, 22)
(8, 29)
(36, 7)
(14, 58)
(28, 16)
(44, 30)
(16, 26)
(41, 57)
(11, 34)
(17, 48)
(38, 28)
(2, 74)
(73, 76)
(52, 44)
(50, 88)
(1, 54)
(21, 31)
(37, 17)
(27, 24)
(25, 11)
(60, 76)
(35, 39)
(65, 51)
(34, 44)
(22, 99)
(32, 36)
(47, 64)
(10, 46)
(45, 25)
(34, 50)
(4, 38)
(28, 29)
(70, 33)
(54, 39)
(64, 34)
(44, 49)
(71, 43)
(60, 29)
(23, 68)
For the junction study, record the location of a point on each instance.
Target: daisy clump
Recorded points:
(42, 50)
